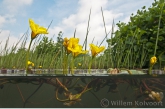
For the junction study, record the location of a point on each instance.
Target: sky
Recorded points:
(67, 15)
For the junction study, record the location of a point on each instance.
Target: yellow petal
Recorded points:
(42, 30)
(153, 60)
(95, 50)
(66, 42)
(33, 26)
(29, 63)
(36, 29)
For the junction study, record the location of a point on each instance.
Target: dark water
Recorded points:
(105, 92)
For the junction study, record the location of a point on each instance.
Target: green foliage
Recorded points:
(138, 35)
(48, 46)
(45, 46)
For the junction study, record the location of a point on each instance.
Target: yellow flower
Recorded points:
(73, 41)
(95, 50)
(36, 29)
(153, 60)
(40, 66)
(32, 64)
(29, 63)
(76, 50)
(72, 44)
(66, 42)
(79, 64)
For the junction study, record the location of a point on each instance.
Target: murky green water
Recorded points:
(105, 92)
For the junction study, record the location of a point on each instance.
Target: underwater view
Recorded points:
(85, 60)
(82, 92)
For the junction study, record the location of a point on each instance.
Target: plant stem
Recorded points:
(27, 56)
(72, 70)
(66, 64)
(90, 64)
(150, 68)
(158, 30)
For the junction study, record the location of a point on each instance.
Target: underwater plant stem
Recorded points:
(27, 56)
(62, 85)
(33, 93)
(146, 86)
(74, 83)
(77, 96)
(20, 93)
(157, 88)
(4, 82)
(58, 98)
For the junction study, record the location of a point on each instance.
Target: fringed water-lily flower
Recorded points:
(76, 50)
(71, 43)
(66, 42)
(73, 47)
(153, 60)
(36, 29)
(95, 50)
(29, 63)
(74, 41)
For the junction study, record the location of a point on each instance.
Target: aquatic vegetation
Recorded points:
(70, 91)
(129, 51)
(30, 63)
(35, 31)
(72, 46)
(79, 64)
(40, 66)
(95, 50)
(153, 60)
(156, 96)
